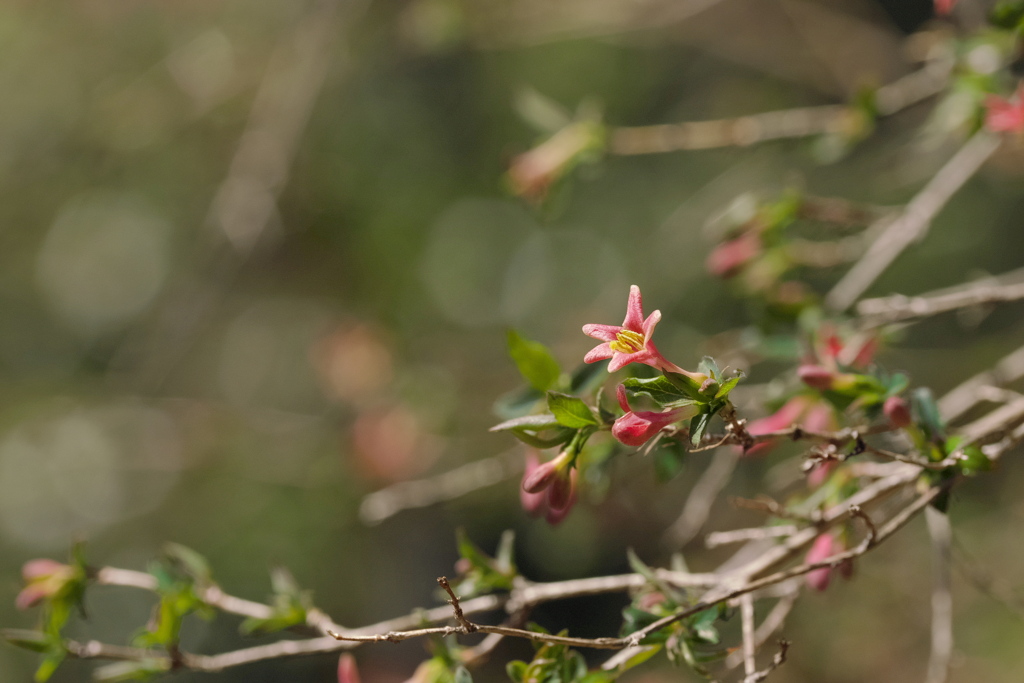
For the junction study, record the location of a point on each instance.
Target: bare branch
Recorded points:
(890, 309)
(913, 223)
(698, 504)
(779, 660)
(942, 597)
(749, 644)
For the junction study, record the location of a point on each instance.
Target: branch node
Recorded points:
(453, 600)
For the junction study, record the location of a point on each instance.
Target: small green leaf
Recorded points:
(570, 411)
(37, 641)
(462, 675)
(661, 390)
(709, 367)
(926, 410)
(555, 438)
(131, 671)
(727, 386)
(531, 422)
(698, 425)
(535, 362)
(516, 670)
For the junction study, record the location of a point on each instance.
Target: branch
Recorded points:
(778, 125)
(969, 393)
(942, 597)
(913, 223)
(890, 309)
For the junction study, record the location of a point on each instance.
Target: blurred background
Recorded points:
(257, 260)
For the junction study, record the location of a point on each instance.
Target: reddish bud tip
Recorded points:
(824, 547)
(347, 671)
(816, 376)
(898, 412)
(541, 477)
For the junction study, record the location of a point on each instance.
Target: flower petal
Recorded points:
(606, 333)
(599, 352)
(634, 311)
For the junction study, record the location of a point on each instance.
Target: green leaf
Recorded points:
(698, 425)
(661, 390)
(709, 367)
(131, 671)
(703, 625)
(516, 670)
(531, 422)
(727, 386)
(974, 461)
(556, 438)
(462, 675)
(926, 410)
(37, 641)
(570, 411)
(193, 564)
(535, 362)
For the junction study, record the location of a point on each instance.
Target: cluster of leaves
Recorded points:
(480, 574)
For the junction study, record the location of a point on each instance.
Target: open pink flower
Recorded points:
(1005, 115)
(631, 341)
(636, 428)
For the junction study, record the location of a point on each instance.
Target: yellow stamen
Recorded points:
(628, 341)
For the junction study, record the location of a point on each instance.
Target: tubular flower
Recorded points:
(347, 671)
(636, 428)
(783, 418)
(631, 341)
(44, 578)
(823, 548)
(1005, 115)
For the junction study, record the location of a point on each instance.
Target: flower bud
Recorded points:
(816, 377)
(542, 475)
(347, 671)
(555, 515)
(533, 503)
(560, 493)
(44, 578)
(728, 258)
(823, 548)
(898, 412)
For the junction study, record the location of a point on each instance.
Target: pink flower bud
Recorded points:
(541, 477)
(823, 548)
(728, 258)
(347, 671)
(44, 578)
(560, 493)
(637, 428)
(898, 412)
(555, 513)
(533, 503)
(816, 376)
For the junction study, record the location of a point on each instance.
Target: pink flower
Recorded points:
(824, 547)
(44, 578)
(783, 418)
(636, 428)
(944, 7)
(631, 341)
(532, 502)
(728, 258)
(1005, 115)
(347, 671)
(898, 412)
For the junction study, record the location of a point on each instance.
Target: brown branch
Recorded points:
(777, 661)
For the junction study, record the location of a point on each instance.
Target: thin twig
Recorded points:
(718, 538)
(913, 222)
(942, 596)
(698, 504)
(890, 309)
(777, 661)
(772, 623)
(749, 644)
(969, 393)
